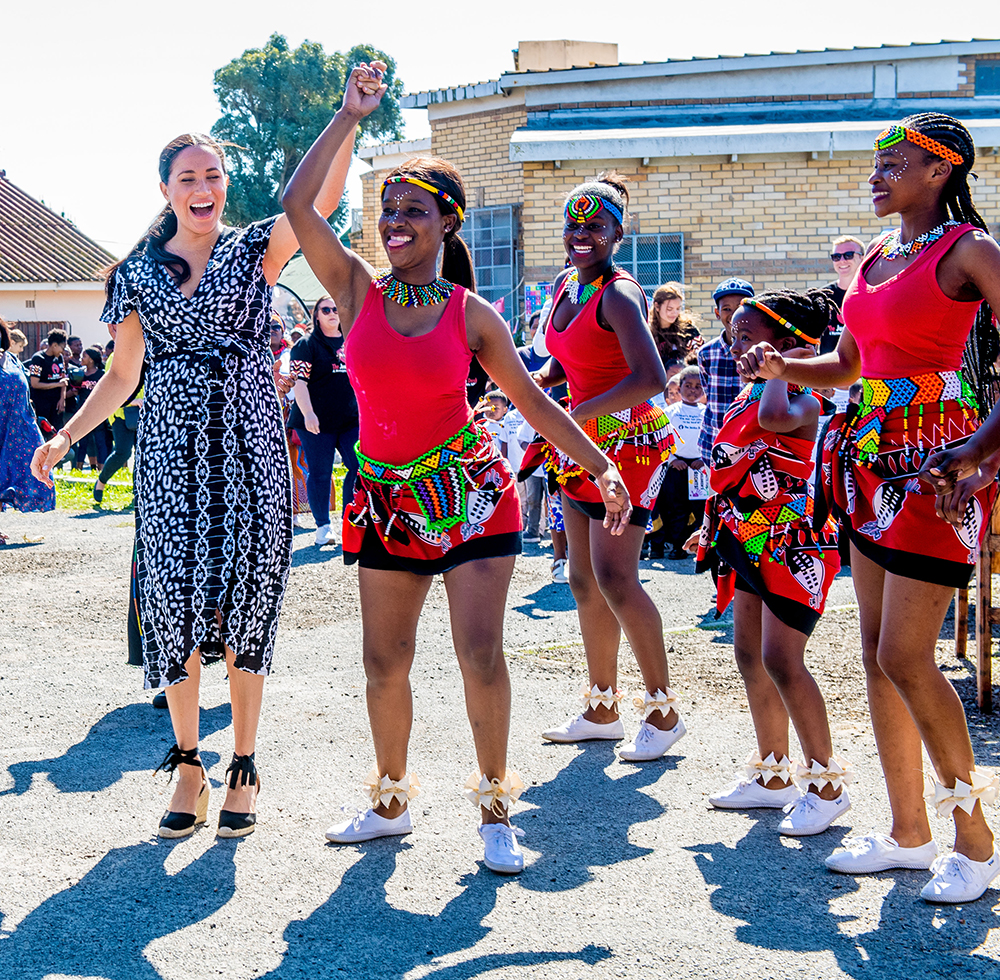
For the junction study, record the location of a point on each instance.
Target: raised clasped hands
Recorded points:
(617, 506)
(762, 362)
(365, 88)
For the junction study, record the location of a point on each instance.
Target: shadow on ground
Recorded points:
(357, 933)
(133, 738)
(784, 904)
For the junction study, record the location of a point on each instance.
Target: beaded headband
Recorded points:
(897, 134)
(758, 305)
(583, 207)
(447, 198)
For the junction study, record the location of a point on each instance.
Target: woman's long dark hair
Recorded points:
(4, 335)
(164, 225)
(983, 345)
(456, 264)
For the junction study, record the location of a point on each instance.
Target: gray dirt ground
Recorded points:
(630, 873)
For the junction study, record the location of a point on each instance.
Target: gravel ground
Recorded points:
(630, 873)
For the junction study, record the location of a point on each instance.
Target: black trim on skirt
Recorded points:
(375, 555)
(907, 564)
(795, 615)
(597, 512)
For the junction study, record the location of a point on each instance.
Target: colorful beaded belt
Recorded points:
(437, 479)
(881, 396)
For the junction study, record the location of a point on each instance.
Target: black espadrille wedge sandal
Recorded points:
(244, 773)
(176, 824)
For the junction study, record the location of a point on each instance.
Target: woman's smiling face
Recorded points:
(196, 189)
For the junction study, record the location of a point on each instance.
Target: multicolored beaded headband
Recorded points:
(583, 207)
(758, 305)
(896, 134)
(447, 198)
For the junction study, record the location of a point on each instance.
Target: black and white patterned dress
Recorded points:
(212, 487)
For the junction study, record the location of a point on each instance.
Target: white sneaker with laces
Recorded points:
(811, 814)
(325, 535)
(651, 743)
(503, 853)
(559, 571)
(368, 825)
(578, 729)
(748, 794)
(958, 878)
(868, 853)
(297, 520)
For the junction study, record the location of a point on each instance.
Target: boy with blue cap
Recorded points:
(718, 369)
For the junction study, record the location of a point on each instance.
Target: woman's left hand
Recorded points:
(365, 88)
(284, 383)
(951, 504)
(617, 506)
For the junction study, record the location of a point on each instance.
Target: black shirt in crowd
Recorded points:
(319, 361)
(835, 328)
(47, 368)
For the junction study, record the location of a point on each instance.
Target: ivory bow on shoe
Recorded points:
(836, 772)
(494, 794)
(384, 790)
(964, 795)
(660, 701)
(769, 768)
(609, 697)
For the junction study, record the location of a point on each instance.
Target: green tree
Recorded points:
(275, 102)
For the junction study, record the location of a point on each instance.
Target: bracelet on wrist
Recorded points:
(65, 432)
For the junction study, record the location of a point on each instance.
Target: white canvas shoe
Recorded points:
(651, 743)
(578, 729)
(869, 853)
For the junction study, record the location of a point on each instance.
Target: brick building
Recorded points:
(739, 165)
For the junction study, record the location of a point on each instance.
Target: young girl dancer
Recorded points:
(781, 564)
(213, 520)
(433, 494)
(601, 345)
(908, 314)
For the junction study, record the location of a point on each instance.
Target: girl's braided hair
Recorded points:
(811, 311)
(983, 345)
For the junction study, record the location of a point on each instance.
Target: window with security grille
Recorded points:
(652, 259)
(492, 237)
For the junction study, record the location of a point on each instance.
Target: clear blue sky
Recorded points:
(92, 91)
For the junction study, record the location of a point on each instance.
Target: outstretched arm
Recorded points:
(838, 369)
(344, 275)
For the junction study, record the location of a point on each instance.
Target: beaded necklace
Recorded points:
(893, 248)
(406, 294)
(579, 293)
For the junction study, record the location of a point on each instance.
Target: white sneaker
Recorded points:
(958, 878)
(559, 571)
(651, 743)
(748, 794)
(873, 852)
(297, 520)
(369, 825)
(325, 535)
(530, 538)
(811, 814)
(503, 853)
(578, 729)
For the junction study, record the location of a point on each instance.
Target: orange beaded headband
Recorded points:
(758, 305)
(896, 134)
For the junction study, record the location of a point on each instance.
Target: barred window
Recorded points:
(492, 236)
(653, 259)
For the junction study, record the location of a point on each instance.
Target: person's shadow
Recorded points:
(133, 738)
(357, 933)
(101, 925)
(583, 817)
(546, 599)
(783, 897)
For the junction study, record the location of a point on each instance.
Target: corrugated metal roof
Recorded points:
(38, 245)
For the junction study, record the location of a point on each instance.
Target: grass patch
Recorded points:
(74, 491)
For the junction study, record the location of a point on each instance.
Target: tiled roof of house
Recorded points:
(38, 245)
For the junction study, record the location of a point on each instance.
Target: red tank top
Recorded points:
(410, 390)
(906, 325)
(590, 355)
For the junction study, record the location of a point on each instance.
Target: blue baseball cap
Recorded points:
(732, 287)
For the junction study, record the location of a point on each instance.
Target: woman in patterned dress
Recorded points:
(213, 497)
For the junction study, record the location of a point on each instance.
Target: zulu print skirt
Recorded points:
(456, 503)
(887, 512)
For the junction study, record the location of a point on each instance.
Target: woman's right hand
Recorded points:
(312, 422)
(365, 88)
(761, 361)
(47, 456)
(617, 506)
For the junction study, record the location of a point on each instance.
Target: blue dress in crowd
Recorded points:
(19, 438)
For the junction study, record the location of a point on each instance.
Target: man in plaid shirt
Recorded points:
(718, 369)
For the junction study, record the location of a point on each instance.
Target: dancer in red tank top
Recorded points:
(433, 495)
(602, 346)
(908, 316)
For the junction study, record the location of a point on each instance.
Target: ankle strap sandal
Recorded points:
(176, 824)
(979, 787)
(179, 757)
(767, 769)
(383, 790)
(244, 773)
(496, 795)
(836, 773)
(609, 697)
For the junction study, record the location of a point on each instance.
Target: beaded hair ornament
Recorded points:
(447, 198)
(758, 305)
(583, 207)
(897, 134)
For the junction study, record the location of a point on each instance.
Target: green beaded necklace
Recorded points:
(406, 294)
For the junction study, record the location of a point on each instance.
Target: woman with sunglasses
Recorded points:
(325, 413)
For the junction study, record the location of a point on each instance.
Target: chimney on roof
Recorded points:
(548, 55)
